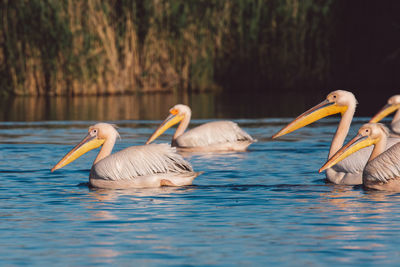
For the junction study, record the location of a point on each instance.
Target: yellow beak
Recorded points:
(322, 110)
(170, 121)
(87, 144)
(355, 144)
(385, 111)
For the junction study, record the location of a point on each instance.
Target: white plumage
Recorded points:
(212, 136)
(212, 133)
(384, 167)
(134, 167)
(350, 170)
(382, 172)
(136, 161)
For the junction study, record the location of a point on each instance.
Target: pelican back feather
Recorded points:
(137, 161)
(212, 133)
(384, 167)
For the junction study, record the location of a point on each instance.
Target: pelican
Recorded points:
(208, 137)
(382, 171)
(134, 167)
(392, 105)
(349, 171)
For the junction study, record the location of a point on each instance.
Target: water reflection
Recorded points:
(354, 200)
(137, 194)
(153, 106)
(101, 108)
(219, 155)
(104, 255)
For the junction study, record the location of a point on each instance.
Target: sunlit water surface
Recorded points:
(267, 205)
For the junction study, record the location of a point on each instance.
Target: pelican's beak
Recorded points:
(385, 111)
(87, 144)
(170, 121)
(322, 110)
(355, 144)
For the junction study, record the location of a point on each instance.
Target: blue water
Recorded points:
(267, 205)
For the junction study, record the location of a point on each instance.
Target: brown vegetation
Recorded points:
(94, 47)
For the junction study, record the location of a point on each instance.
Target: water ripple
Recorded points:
(268, 205)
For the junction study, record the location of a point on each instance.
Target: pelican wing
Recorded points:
(212, 133)
(139, 161)
(384, 167)
(355, 163)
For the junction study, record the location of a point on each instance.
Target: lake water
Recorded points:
(154, 106)
(267, 205)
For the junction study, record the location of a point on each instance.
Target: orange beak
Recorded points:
(87, 144)
(355, 144)
(322, 110)
(385, 111)
(170, 121)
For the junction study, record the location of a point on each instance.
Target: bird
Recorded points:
(349, 171)
(209, 137)
(133, 167)
(393, 104)
(382, 172)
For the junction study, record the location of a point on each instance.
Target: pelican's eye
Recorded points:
(173, 111)
(94, 132)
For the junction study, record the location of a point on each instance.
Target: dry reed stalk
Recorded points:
(108, 47)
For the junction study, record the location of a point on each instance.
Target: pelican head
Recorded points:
(177, 114)
(392, 105)
(97, 135)
(336, 102)
(369, 134)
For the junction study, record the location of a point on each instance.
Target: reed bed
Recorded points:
(94, 47)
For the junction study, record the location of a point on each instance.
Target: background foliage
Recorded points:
(117, 46)
(86, 47)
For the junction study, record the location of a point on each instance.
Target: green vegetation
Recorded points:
(87, 47)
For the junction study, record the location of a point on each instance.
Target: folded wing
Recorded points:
(217, 132)
(138, 161)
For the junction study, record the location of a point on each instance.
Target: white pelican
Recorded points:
(212, 136)
(349, 171)
(392, 105)
(133, 167)
(382, 171)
